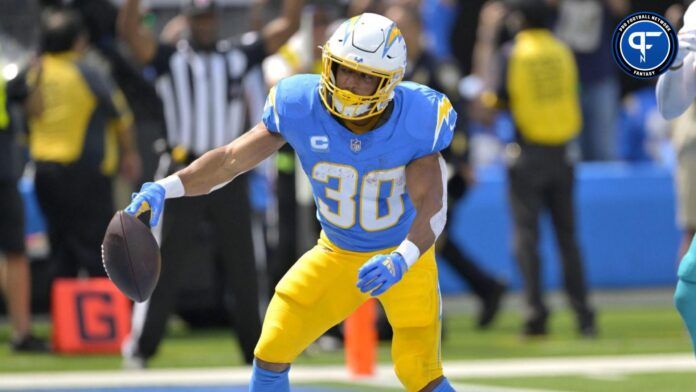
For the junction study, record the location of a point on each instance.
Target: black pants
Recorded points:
(481, 283)
(228, 213)
(539, 179)
(78, 204)
(11, 218)
(285, 252)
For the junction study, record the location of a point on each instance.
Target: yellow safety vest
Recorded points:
(542, 83)
(4, 117)
(71, 115)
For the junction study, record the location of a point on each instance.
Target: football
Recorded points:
(131, 256)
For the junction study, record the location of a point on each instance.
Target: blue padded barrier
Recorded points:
(626, 228)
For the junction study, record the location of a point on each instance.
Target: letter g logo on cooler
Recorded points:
(644, 45)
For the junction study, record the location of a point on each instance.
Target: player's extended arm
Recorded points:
(211, 171)
(139, 39)
(279, 30)
(676, 88)
(685, 293)
(425, 181)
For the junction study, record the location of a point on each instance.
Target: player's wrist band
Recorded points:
(409, 251)
(173, 187)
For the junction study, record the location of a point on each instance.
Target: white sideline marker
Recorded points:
(597, 366)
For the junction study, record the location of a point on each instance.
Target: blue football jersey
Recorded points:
(359, 181)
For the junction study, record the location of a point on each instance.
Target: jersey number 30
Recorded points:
(345, 214)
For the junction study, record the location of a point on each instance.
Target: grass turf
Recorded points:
(644, 382)
(645, 330)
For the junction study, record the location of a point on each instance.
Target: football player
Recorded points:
(676, 92)
(370, 147)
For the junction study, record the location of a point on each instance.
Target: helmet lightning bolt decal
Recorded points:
(393, 35)
(350, 26)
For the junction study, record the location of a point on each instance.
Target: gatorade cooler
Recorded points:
(89, 316)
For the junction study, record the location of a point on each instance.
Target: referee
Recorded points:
(210, 90)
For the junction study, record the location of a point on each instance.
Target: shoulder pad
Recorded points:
(295, 96)
(429, 116)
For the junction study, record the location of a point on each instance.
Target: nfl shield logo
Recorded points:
(355, 145)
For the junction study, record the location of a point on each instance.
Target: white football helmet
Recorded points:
(371, 44)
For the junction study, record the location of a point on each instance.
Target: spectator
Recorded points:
(586, 27)
(15, 279)
(423, 68)
(439, 20)
(676, 91)
(207, 87)
(79, 126)
(100, 17)
(463, 33)
(357, 7)
(675, 97)
(539, 84)
(643, 133)
(490, 33)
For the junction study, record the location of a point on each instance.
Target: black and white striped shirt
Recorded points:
(209, 97)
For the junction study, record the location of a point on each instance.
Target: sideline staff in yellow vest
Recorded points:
(540, 86)
(79, 129)
(14, 265)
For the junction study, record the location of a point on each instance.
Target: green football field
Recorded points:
(627, 328)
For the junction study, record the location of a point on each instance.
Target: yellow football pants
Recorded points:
(320, 291)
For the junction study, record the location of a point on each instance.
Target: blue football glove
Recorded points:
(151, 196)
(380, 273)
